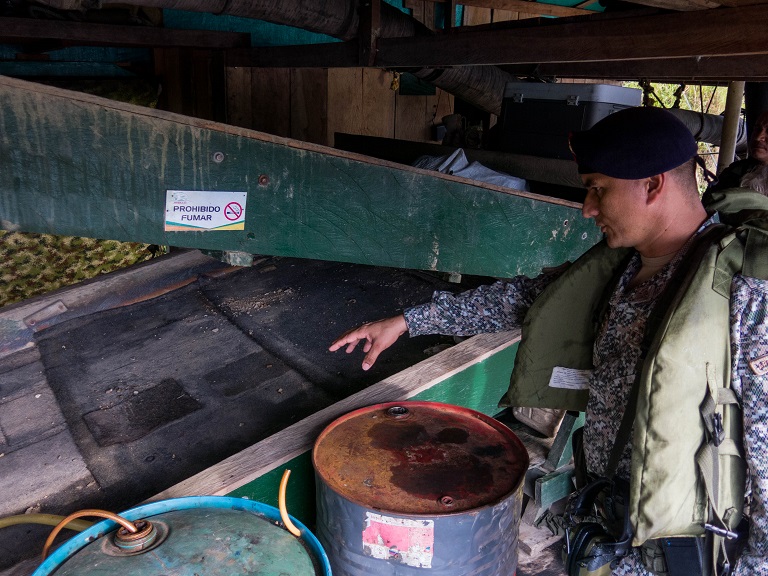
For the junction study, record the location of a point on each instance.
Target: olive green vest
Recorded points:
(684, 472)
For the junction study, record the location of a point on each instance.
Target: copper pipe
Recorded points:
(88, 512)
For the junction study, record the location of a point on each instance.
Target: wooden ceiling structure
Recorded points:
(680, 40)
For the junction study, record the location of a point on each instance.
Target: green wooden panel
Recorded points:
(79, 165)
(562, 448)
(478, 387)
(299, 494)
(553, 487)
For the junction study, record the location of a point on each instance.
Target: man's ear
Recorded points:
(655, 187)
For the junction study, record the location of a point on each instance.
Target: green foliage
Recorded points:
(708, 99)
(37, 263)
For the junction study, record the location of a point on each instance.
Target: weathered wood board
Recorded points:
(79, 165)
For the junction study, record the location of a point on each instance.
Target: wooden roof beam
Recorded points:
(717, 69)
(329, 55)
(25, 30)
(599, 38)
(528, 7)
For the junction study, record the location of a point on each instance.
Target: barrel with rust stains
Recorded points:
(416, 488)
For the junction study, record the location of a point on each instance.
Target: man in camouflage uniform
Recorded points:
(642, 193)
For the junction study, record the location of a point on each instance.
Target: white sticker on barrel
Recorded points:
(405, 541)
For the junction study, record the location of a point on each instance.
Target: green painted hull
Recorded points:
(79, 165)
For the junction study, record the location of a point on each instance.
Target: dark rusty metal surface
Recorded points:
(420, 458)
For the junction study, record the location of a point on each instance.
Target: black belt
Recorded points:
(685, 556)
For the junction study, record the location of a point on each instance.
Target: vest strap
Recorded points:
(756, 266)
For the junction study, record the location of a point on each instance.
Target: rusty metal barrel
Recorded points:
(417, 488)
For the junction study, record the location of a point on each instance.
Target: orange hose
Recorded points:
(100, 513)
(281, 504)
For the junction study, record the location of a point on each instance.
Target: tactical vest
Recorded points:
(687, 466)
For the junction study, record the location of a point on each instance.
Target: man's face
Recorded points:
(758, 142)
(619, 208)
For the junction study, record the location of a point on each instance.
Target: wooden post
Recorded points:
(369, 30)
(449, 19)
(730, 125)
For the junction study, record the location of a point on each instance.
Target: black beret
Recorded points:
(633, 143)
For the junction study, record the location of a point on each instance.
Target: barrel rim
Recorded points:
(78, 542)
(489, 420)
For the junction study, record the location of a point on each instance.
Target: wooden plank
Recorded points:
(737, 3)
(345, 101)
(442, 372)
(239, 109)
(750, 67)
(270, 100)
(410, 118)
(309, 111)
(429, 15)
(537, 446)
(187, 91)
(432, 112)
(449, 11)
(562, 449)
(378, 105)
(529, 6)
(474, 16)
(334, 54)
(553, 487)
(203, 90)
(417, 9)
(368, 30)
(443, 104)
(706, 69)
(68, 166)
(532, 540)
(172, 96)
(736, 31)
(504, 15)
(15, 30)
(422, 11)
(438, 106)
(681, 5)
(219, 86)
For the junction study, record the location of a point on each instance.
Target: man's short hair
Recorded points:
(634, 143)
(685, 174)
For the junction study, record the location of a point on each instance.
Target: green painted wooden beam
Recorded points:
(553, 487)
(75, 164)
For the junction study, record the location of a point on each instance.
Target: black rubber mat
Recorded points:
(296, 308)
(146, 393)
(140, 413)
(160, 390)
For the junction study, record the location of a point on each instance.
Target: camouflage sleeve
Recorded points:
(632, 565)
(493, 308)
(749, 347)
